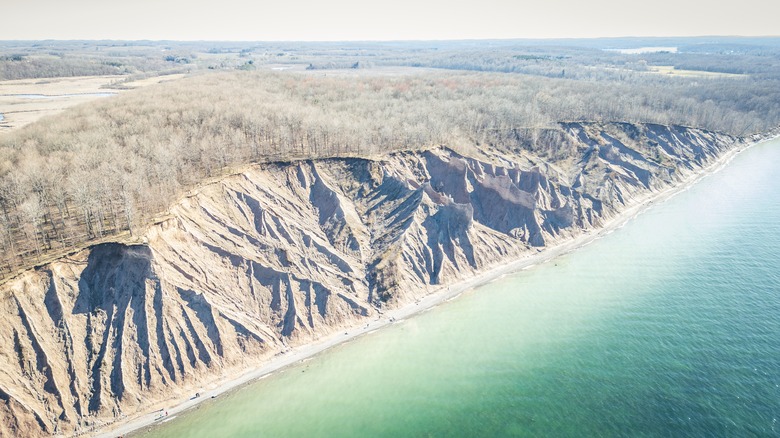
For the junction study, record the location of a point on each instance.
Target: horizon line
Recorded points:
(637, 37)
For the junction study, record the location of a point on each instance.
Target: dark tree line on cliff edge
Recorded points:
(109, 167)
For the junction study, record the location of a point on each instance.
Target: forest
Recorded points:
(106, 169)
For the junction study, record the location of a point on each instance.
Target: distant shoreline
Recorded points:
(441, 295)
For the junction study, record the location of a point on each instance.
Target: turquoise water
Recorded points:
(669, 326)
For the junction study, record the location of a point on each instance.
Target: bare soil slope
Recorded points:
(285, 253)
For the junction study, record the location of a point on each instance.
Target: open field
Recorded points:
(670, 70)
(375, 72)
(151, 81)
(25, 101)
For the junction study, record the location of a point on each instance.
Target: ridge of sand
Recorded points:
(443, 294)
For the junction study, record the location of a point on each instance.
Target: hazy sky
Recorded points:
(381, 20)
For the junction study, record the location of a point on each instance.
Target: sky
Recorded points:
(333, 20)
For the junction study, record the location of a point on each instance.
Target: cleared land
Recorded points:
(25, 101)
(671, 70)
(151, 81)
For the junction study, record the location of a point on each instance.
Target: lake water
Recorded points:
(669, 326)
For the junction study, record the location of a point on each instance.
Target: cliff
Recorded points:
(284, 253)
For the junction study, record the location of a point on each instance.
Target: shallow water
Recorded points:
(669, 326)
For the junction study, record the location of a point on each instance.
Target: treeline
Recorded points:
(588, 64)
(759, 64)
(110, 166)
(65, 60)
(572, 59)
(30, 67)
(569, 63)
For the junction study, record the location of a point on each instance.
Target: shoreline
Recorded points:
(440, 295)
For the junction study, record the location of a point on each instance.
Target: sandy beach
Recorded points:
(444, 293)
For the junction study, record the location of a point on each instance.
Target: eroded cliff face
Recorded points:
(285, 253)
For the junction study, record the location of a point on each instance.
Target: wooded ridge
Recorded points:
(107, 168)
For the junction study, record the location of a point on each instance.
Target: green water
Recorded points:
(669, 326)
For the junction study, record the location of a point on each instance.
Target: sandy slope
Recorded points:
(441, 295)
(292, 255)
